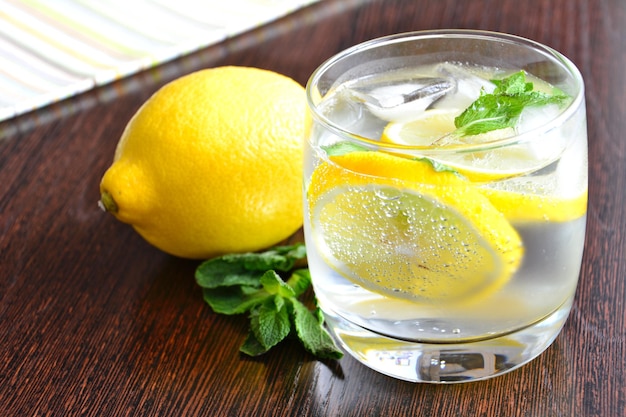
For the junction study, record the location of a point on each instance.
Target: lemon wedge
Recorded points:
(399, 228)
(433, 128)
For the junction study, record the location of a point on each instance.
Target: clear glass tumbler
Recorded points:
(445, 204)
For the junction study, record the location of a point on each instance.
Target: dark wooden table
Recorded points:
(95, 322)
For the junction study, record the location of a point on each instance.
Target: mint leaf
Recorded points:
(239, 283)
(224, 272)
(252, 347)
(310, 330)
(342, 148)
(247, 268)
(273, 284)
(270, 322)
(233, 300)
(502, 108)
(299, 281)
(437, 166)
(513, 84)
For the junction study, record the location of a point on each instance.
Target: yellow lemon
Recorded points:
(433, 127)
(399, 228)
(211, 163)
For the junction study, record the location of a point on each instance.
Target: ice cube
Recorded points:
(533, 117)
(468, 86)
(403, 101)
(552, 143)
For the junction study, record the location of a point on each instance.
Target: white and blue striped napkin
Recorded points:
(54, 49)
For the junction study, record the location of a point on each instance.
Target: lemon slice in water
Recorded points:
(432, 128)
(424, 130)
(529, 204)
(397, 227)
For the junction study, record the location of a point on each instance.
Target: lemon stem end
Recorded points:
(107, 203)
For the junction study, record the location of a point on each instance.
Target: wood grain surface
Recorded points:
(95, 322)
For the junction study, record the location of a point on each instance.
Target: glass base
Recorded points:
(449, 362)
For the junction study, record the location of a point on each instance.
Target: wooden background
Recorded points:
(95, 322)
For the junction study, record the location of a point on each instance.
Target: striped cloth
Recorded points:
(54, 49)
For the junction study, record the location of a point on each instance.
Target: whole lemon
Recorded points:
(212, 163)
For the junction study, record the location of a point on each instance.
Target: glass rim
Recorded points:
(565, 114)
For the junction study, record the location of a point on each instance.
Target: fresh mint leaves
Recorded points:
(342, 148)
(502, 108)
(249, 282)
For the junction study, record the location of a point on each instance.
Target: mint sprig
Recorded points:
(249, 282)
(503, 107)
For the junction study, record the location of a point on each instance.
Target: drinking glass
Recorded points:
(445, 195)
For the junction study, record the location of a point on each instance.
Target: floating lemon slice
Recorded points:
(429, 127)
(520, 206)
(433, 128)
(399, 228)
